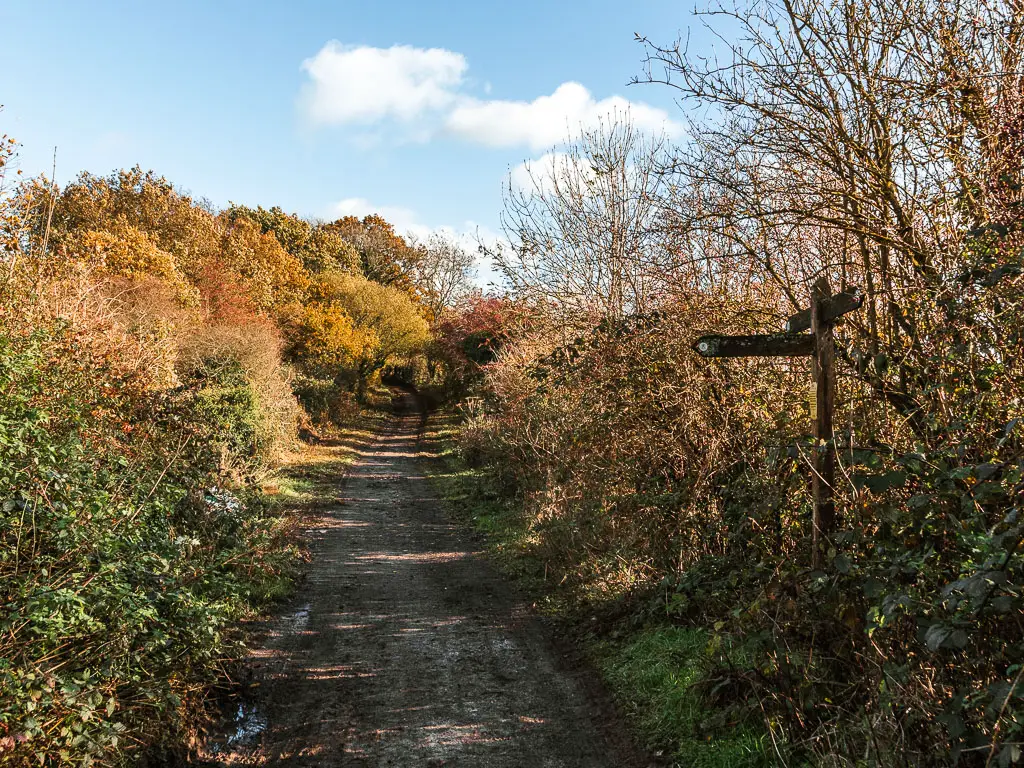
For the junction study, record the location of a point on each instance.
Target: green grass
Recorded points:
(653, 675)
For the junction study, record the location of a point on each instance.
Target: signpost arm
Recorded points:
(824, 376)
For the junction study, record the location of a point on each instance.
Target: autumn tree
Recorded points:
(124, 251)
(386, 257)
(318, 247)
(328, 343)
(172, 220)
(274, 276)
(470, 336)
(360, 326)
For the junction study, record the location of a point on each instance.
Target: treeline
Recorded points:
(158, 359)
(879, 145)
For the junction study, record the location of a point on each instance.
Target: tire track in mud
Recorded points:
(405, 648)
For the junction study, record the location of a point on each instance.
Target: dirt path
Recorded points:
(405, 648)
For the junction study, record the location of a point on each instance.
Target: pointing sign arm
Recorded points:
(762, 345)
(832, 309)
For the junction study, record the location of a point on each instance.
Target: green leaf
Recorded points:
(881, 483)
(936, 635)
(873, 587)
(1002, 604)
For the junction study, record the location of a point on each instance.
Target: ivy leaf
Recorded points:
(954, 725)
(872, 587)
(1008, 755)
(884, 482)
(1002, 604)
(984, 471)
(936, 635)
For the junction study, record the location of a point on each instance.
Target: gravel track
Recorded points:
(404, 647)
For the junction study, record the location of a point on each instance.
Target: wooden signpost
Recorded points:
(819, 344)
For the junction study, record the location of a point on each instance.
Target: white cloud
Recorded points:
(548, 120)
(425, 90)
(360, 84)
(403, 219)
(537, 174)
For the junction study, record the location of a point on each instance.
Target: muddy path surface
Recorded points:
(404, 647)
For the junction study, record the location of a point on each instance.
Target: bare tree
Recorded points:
(864, 140)
(584, 224)
(444, 272)
(882, 120)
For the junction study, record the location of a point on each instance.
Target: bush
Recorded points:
(678, 487)
(237, 374)
(326, 404)
(142, 396)
(123, 556)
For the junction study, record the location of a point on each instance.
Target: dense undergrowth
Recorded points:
(870, 144)
(664, 491)
(126, 553)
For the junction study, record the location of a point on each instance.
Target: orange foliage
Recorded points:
(272, 275)
(224, 296)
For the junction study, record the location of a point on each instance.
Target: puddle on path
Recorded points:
(298, 620)
(243, 729)
(249, 724)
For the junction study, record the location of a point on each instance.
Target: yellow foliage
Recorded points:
(400, 329)
(329, 342)
(272, 275)
(9, 219)
(129, 252)
(172, 220)
(385, 255)
(126, 251)
(353, 327)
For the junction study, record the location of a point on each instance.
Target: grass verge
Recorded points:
(656, 674)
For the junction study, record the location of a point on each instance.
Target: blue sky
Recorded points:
(418, 110)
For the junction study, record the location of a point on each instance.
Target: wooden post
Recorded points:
(824, 375)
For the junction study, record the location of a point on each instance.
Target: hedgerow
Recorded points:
(123, 558)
